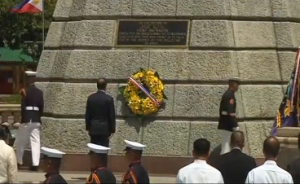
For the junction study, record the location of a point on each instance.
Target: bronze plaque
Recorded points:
(152, 33)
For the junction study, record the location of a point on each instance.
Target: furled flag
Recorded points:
(287, 114)
(29, 6)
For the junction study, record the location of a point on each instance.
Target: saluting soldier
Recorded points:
(100, 174)
(227, 113)
(136, 172)
(51, 164)
(32, 107)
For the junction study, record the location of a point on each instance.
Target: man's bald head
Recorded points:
(237, 139)
(271, 147)
(101, 84)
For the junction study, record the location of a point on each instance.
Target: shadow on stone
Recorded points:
(131, 119)
(214, 156)
(125, 111)
(135, 123)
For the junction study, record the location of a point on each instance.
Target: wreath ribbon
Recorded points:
(144, 90)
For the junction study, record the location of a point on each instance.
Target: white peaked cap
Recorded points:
(134, 145)
(53, 153)
(234, 79)
(30, 73)
(97, 148)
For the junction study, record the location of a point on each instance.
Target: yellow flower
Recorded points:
(138, 75)
(150, 72)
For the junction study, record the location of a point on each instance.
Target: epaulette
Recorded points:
(130, 175)
(92, 178)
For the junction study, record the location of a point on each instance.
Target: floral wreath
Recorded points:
(144, 92)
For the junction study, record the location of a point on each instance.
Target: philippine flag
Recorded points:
(29, 6)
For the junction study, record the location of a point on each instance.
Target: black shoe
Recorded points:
(34, 168)
(19, 166)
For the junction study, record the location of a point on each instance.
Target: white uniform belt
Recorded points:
(226, 113)
(31, 108)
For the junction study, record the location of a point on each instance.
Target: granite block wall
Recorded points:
(255, 40)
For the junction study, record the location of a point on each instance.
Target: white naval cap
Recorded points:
(52, 153)
(134, 145)
(97, 148)
(234, 79)
(30, 73)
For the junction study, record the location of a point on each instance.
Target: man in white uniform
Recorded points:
(32, 107)
(199, 171)
(8, 161)
(269, 172)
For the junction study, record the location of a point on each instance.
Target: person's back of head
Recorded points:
(101, 84)
(201, 148)
(271, 148)
(237, 140)
(2, 133)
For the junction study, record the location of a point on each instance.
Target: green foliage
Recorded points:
(18, 28)
(164, 96)
(11, 99)
(121, 90)
(140, 118)
(156, 75)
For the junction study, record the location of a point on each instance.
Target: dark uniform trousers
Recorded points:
(100, 140)
(52, 178)
(227, 120)
(101, 176)
(136, 174)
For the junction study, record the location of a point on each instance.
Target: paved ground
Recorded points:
(38, 177)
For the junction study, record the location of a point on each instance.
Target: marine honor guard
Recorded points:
(227, 114)
(51, 164)
(32, 107)
(100, 174)
(136, 173)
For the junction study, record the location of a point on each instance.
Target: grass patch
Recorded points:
(11, 99)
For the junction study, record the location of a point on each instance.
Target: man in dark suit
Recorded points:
(235, 165)
(294, 167)
(32, 108)
(100, 118)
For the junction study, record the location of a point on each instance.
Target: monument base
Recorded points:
(288, 137)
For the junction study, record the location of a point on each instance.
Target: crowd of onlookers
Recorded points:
(238, 167)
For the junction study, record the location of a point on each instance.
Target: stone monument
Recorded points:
(254, 40)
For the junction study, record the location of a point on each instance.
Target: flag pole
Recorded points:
(43, 19)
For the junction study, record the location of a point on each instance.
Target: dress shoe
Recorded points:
(19, 166)
(34, 168)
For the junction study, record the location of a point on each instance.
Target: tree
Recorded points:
(17, 29)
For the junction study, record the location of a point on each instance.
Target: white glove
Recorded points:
(236, 128)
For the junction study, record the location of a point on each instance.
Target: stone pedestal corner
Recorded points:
(288, 138)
